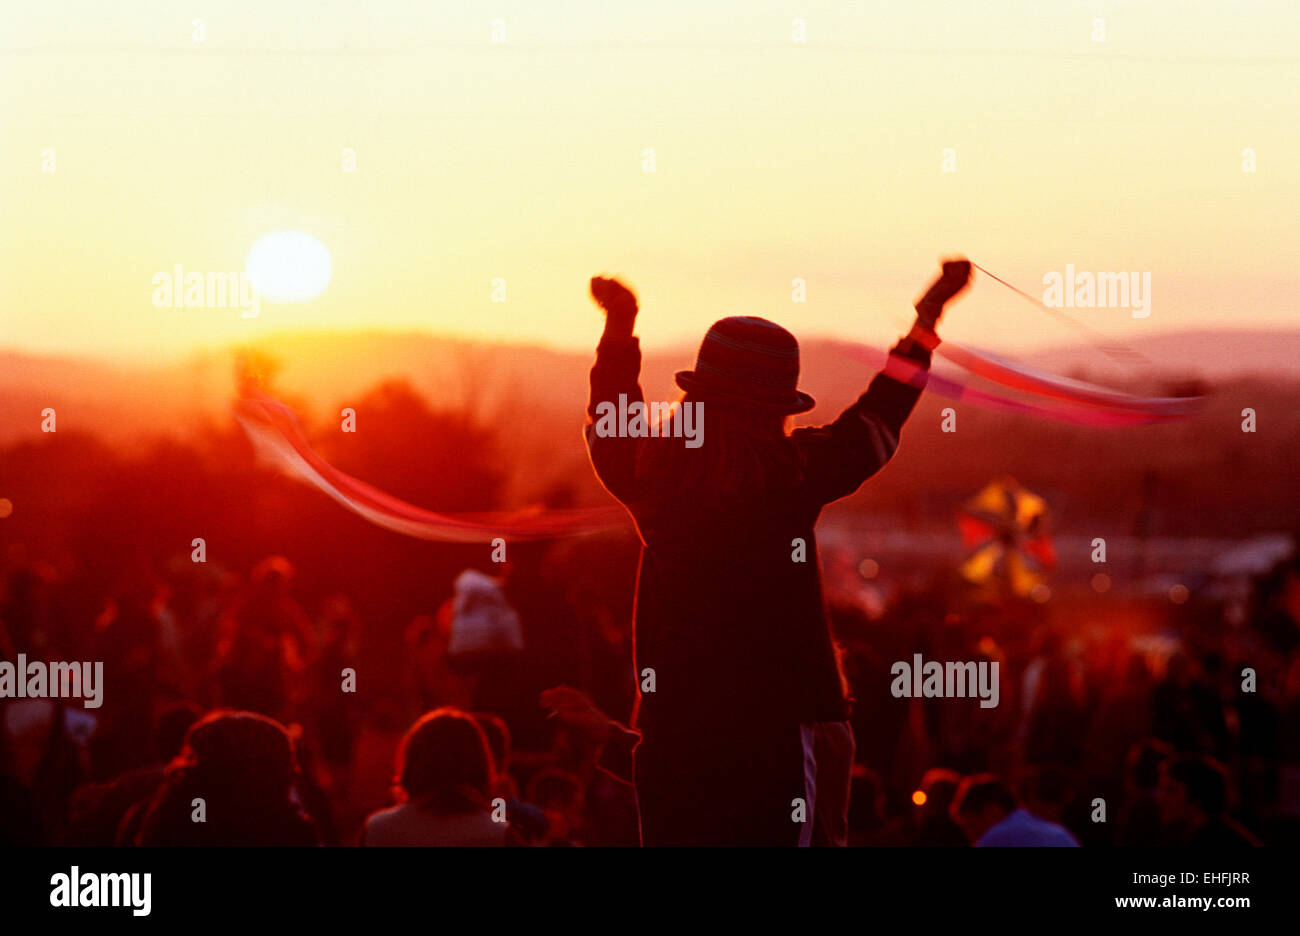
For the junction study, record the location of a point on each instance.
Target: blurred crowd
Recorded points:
(236, 712)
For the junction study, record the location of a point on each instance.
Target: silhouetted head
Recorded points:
(1047, 791)
(239, 752)
(982, 801)
(939, 785)
(273, 575)
(173, 724)
(750, 363)
(739, 399)
(444, 762)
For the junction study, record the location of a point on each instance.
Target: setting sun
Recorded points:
(289, 266)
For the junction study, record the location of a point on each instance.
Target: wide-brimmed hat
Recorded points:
(748, 361)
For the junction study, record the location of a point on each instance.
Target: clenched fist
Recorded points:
(955, 277)
(613, 296)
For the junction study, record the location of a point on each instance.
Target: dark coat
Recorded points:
(734, 628)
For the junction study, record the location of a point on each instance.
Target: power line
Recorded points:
(641, 46)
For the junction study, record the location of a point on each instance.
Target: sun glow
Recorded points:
(289, 266)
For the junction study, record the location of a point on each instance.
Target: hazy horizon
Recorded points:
(1080, 353)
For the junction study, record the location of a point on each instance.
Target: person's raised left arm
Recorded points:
(842, 455)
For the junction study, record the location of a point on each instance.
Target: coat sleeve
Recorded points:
(840, 456)
(614, 374)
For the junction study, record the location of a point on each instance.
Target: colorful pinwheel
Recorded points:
(1003, 531)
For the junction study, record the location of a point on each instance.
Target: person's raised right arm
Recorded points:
(614, 384)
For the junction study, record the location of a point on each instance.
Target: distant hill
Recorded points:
(534, 399)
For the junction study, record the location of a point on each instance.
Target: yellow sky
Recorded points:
(523, 160)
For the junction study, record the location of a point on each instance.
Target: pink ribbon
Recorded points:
(1056, 399)
(275, 433)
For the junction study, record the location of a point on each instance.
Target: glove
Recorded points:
(613, 296)
(955, 278)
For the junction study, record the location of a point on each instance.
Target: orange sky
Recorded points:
(523, 160)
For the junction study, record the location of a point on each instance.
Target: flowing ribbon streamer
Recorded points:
(908, 372)
(1100, 341)
(275, 433)
(1058, 398)
(1030, 380)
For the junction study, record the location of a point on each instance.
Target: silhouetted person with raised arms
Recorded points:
(739, 693)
